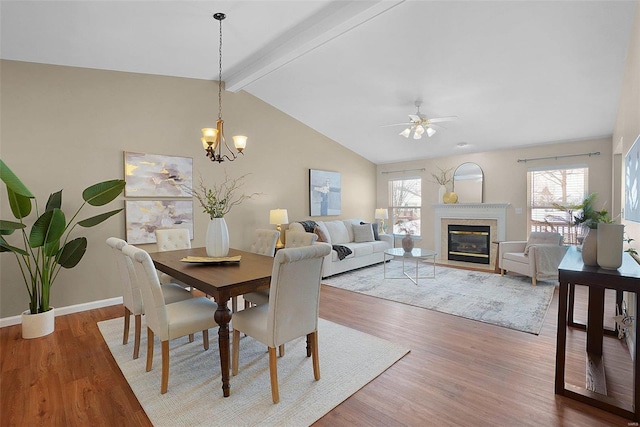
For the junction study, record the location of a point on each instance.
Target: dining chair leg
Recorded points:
(313, 337)
(136, 335)
(205, 339)
(191, 337)
(149, 349)
(165, 367)
(125, 333)
(281, 350)
(235, 352)
(273, 373)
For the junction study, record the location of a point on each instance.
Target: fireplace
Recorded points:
(469, 243)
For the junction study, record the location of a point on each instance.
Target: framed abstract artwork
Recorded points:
(324, 193)
(143, 217)
(157, 175)
(632, 182)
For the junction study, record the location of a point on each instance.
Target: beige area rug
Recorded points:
(349, 359)
(508, 301)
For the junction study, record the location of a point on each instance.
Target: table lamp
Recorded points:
(381, 214)
(278, 217)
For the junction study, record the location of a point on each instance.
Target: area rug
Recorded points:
(508, 301)
(349, 359)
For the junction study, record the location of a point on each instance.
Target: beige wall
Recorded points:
(505, 179)
(67, 128)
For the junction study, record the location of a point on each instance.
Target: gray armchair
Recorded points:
(538, 257)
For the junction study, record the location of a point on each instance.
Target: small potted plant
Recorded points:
(46, 247)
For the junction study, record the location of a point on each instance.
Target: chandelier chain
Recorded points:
(220, 75)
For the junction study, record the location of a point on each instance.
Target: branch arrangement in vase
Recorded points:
(444, 177)
(218, 200)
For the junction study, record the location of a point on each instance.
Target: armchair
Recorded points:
(538, 257)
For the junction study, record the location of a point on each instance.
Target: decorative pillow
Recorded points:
(374, 226)
(322, 237)
(338, 232)
(542, 238)
(362, 233)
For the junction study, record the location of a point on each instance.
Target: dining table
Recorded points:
(222, 281)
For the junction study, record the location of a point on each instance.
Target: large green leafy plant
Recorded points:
(46, 247)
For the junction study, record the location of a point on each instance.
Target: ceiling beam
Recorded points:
(336, 19)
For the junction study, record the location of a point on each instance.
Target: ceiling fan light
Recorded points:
(418, 133)
(405, 132)
(430, 132)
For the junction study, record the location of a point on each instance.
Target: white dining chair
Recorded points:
(131, 297)
(292, 311)
(172, 239)
(264, 243)
(168, 321)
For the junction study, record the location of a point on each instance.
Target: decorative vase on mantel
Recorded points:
(407, 243)
(590, 247)
(441, 192)
(37, 325)
(217, 239)
(610, 242)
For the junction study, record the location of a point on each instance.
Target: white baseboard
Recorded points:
(61, 311)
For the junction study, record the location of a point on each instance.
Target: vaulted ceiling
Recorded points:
(515, 73)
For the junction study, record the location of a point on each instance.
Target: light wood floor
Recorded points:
(459, 372)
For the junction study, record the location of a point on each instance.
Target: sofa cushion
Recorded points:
(360, 249)
(380, 246)
(338, 232)
(374, 227)
(362, 233)
(542, 238)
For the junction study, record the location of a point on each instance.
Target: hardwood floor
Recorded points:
(459, 372)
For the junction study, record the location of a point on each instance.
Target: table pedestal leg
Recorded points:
(223, 317)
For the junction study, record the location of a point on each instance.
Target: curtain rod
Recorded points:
(403, 171)
(596, 153)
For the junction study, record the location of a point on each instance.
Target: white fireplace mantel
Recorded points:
(470, 211)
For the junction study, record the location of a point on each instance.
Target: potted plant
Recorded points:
(46, 247)
(217, 201)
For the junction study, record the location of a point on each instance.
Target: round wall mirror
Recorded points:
(467, 183)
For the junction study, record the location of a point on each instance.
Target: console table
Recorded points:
(573, 272)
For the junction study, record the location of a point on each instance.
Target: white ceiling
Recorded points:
(516, 73)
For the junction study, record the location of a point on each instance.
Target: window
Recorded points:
(562, 186)
(405, 203)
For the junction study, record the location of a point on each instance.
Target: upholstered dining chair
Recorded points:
(131, 297)
(264, 243)
(295, 239)
(168, 321)
(292, 311)
(172, 239)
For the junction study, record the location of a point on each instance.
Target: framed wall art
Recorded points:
(157, 175)
(143, 217)
(632, 182)
(324, 193)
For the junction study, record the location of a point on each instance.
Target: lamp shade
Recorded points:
(278, 216)
(381, 213)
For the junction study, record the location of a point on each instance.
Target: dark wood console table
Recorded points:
(627, 278)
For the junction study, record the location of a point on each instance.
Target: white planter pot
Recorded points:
(610, 245)
(217, 239)
(37, 325)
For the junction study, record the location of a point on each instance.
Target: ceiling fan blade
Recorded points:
(397, 124)
(443, 119)
(414, 118)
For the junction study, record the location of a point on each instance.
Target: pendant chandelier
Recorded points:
(213, 140)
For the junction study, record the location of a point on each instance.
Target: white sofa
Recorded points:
(353, 235)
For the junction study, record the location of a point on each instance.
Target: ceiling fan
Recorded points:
(419, 123)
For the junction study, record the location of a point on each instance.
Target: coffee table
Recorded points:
(417, 255)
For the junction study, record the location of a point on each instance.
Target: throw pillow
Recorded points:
(541, 238)
(338, 233)
(362, 233)
(322, 237)
(374, 226)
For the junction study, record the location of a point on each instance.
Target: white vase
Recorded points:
(441, 192)
(217, 239)
(590, 247)
(610, 240)
(37, 325)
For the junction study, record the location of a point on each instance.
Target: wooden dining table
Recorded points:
(222, 281)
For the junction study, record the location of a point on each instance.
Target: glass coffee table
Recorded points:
(417, 255)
